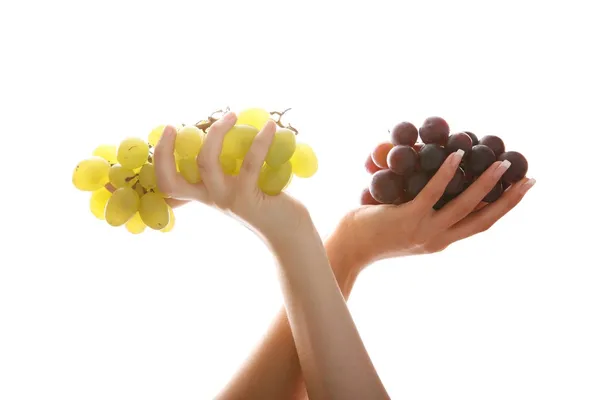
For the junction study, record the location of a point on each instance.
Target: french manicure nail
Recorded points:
(527, 185)
(228, 116)
(458, 155)
(502, 168)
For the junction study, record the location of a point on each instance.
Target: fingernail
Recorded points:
(228, 116)
(502, 168)
(527, 185)
(458, 155)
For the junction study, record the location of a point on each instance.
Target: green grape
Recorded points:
(282, 147)
(171, 223)
(135, 225)
(256, 117)
(155, 135)
(108, 152)
(189, 170)
(133, 153)
(304, 161)
(121, 206)
(228, 164)
(273, 180)
(148, 177)
(188, 141)
(120, 177)
(98, 202)
(91, 174)
(154, 211)
(238, 166)
(237, 141)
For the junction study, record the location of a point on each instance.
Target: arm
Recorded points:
(334, 361)
(273, 370)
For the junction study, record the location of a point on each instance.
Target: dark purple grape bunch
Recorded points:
(402, 167)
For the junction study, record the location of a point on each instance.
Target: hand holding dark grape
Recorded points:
(444, 197)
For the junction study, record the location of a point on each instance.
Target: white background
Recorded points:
(92, 312)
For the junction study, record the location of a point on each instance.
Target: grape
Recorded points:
(147, 177)
(416, 183)
(404, 133)
(189, 170)
(494, 143)
(273, 180)
(237, 141)
(155, 134)
(171, 223)
(121, 206)
(238, 166)
(132, 153)
(480, 159)
(518, 167)
(91, 174)
(135, 225)
(98, 202)
(402, 159)
(370, 165)
(418, 147)
(460, 141)
(494, 194)
(189, 141)
(431, 157)
(434, 130)
(228, 164)
(366, 198)
(380, 153)
(457, 183)
(386, 186)
(445, 199)
(282, 148)
(120, 177)
(108, 152)
(154, 211)
(473, 138)
(304, 161)
(256, 117)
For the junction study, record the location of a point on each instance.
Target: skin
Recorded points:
(298, 358)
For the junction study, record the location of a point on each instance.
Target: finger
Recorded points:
(485, 218)
(255, 158)
(465, 203)
(436, 186)
(168, 180)
(174, 203)
(208, 158)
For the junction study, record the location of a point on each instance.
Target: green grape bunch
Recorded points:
(122, 180)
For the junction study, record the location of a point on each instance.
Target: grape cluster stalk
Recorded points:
(402, 166)
(122, 180)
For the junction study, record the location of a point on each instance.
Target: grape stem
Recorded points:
(207, 123)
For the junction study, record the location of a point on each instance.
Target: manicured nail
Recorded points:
(527, 185)
(502, 168)
(228, 116)
(458, 155)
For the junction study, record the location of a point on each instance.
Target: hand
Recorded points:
(385, 231)
(274, 217)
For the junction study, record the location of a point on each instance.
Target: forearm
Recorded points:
(273, 370)
(335, 363)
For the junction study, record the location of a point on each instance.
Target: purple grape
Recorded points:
(480, 159)
(404, 133)
(367, 198)
(473, 138)
(518, 166)
(457, 183)
(494, 143)
(416, 183)
(435, 130)
(431, 157)
(402, 159)
(386, 186)
(459, 141)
